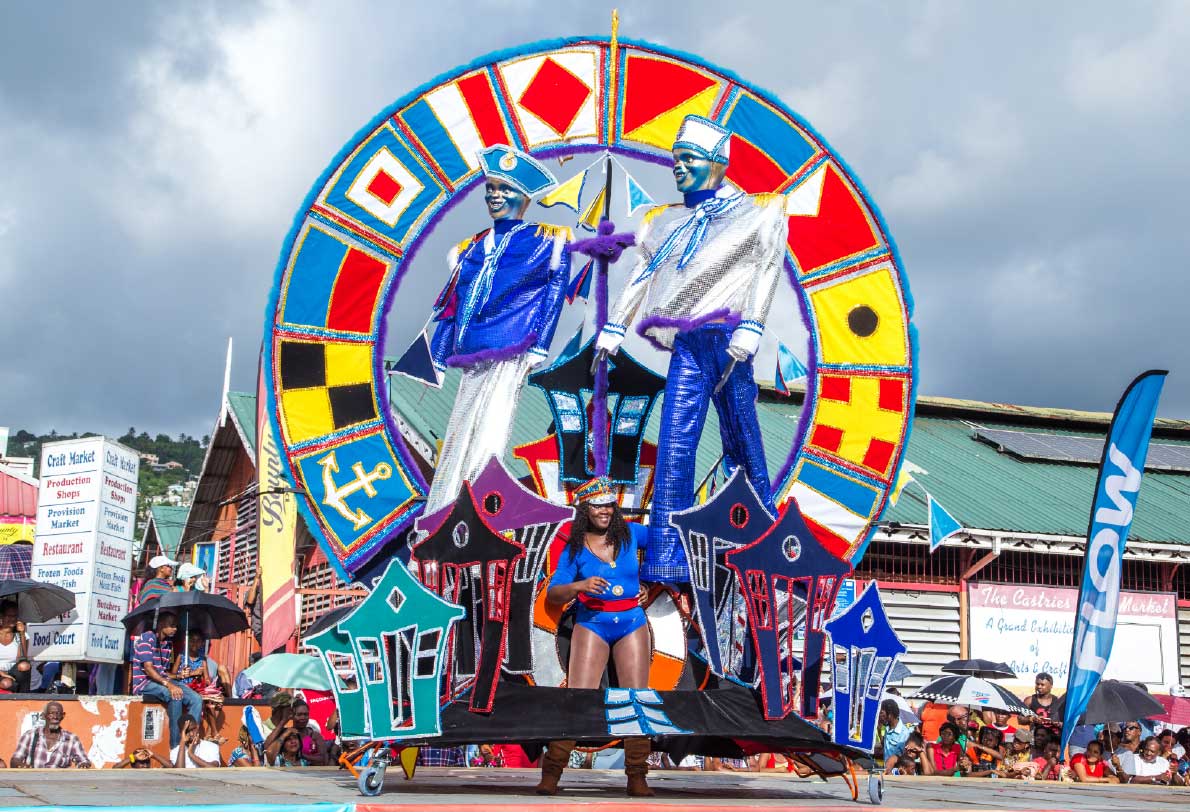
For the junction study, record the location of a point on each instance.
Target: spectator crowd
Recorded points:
(954, 741)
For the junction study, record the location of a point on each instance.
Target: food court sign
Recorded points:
(86, 517)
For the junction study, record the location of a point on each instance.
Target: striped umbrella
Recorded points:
(956, 689)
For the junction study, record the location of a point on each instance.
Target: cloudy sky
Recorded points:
(1031, 164)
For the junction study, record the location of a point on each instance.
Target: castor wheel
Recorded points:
(371, 779)
(876, 788)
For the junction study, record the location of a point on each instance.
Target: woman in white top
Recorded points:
(14, 647)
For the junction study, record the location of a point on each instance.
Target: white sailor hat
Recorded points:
(517, 169)
(704, 136)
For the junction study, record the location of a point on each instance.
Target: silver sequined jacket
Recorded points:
(731, 275)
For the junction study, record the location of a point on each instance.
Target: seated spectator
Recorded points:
(947, 754)
(159, 580)
(912, 760)
(193, 751)
(14, 649)
(191, 577)
(244, 686)
(891, 733)
(288, 750)
(985, 754)
(1145, 766)
(511, 755)
(1042, 736)
(151, 655)
(1130, 742)
(201, 674)
(244, 755)
(313, 746)
(1041, 703)
(48, 746)
(142, 759)
(1001, 724)
(1090, 768)
(1171, 751)
(1049, 762)
(1018, 761)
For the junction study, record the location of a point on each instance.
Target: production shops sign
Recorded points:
(86, 517)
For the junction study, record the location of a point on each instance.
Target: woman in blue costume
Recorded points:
(600, 569)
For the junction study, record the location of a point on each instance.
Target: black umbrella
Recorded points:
(326, 621)
(984, 669)
(37, 602)
(974, 692)
(213, 615)
(1114, 701)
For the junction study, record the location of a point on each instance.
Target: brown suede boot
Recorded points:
(553, 762)
(636, 766)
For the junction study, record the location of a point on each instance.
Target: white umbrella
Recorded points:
(955, 689)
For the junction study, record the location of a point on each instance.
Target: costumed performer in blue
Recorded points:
(706, 272)
(496, 317)
(600, 569)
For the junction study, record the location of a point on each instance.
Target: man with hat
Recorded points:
(161, 580)
(496, 317)
(702, 287)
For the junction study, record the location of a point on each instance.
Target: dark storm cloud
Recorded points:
(1029, 161)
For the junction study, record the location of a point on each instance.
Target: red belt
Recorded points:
(600, 605)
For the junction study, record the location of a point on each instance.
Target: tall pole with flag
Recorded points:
(1116, 491)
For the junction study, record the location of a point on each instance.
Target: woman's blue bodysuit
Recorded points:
(623, 577)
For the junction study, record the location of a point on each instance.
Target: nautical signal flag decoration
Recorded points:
(789, 369)
(635, 195)
(942, 524)
(567, 194)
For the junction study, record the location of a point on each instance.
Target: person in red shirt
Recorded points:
(1090, 768)
(948, 757)
(1002, 724)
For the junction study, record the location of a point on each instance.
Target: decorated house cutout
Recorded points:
(385, 658)
(469, 563)
(733, 518)
(785, 569)
(509, 507)
(632, 391)
(866, 649)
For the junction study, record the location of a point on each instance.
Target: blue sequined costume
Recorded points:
(623, 579)
(704, 280)
(496, 319)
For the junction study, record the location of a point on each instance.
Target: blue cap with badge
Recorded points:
(517, 169)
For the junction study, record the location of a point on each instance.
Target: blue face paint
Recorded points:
(505, 202)
(693, 171)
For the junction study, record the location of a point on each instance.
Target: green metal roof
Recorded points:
(243, 411)
(980, 486)
(168, 522)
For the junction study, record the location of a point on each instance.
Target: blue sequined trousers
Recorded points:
(698, 360)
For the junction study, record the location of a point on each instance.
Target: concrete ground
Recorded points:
(443, 789)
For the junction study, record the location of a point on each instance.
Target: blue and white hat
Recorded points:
(516, 168)
(704, 136)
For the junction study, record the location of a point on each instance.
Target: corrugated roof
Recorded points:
(18, 494)
(243, 411)
(982, 487)
(167, 523)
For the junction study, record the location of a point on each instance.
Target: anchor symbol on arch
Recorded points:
(336, 495)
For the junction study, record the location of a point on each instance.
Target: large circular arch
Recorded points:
(365, 217)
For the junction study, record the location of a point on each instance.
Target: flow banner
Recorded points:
(1111, 518)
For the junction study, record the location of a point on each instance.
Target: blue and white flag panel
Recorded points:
(418, 362)
(636, 195)
(1111, 519)
(789, 369)
(942, 524)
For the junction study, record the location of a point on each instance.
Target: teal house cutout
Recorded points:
(385, 658)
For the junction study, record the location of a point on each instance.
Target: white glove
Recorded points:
(744, 344)
(608, 341)
(537, 357)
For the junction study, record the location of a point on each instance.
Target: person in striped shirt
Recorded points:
(151, 655)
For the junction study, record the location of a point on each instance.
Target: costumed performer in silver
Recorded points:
(496, 317)
(706, 272)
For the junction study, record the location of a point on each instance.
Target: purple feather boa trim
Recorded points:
(607, 245)
(728, 318)
(493, 354)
